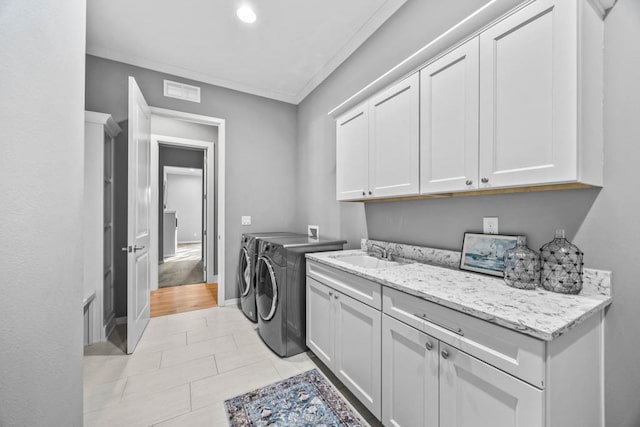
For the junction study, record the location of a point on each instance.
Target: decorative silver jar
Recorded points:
(522, 266)
(561, 265)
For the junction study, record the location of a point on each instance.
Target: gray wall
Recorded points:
(261, 134)
(184, 195)
(41, 183)
(601, 222)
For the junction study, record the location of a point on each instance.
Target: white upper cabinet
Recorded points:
(518, 104)
(394, 165)
(449, 121)
(531, 87)
(352, 153)
(377, 145)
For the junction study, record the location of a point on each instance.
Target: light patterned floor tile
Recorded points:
(143, 412)
(247, 338)
(184, 368)
(170, 377)
(102, 395)
(169, 328)
(248, 355)
(209, 416)
(152, 344)
(120, 367)
(230, 384)
(221, 330)
(197, 350)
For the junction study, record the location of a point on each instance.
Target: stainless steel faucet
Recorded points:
(381, 249)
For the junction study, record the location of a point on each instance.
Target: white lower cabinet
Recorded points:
(414, 363)
(429, 383)
(409, 376)
(345, 335)
(475, 394)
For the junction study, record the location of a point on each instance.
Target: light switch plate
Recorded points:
(246, 220)
(490, 225)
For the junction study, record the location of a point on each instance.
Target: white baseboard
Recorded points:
(186, 242)
(232, 301)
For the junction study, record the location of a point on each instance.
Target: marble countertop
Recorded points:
(539, 313)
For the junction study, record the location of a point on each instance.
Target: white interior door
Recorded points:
(138, 216)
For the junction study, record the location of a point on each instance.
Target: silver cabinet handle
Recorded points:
(330, 293)
(429, 345)
(444, 354)
(138, 248)
(469, 182)
(484, 179)
(364, 194)
(448, 328)
(336, 296)
(370, 193)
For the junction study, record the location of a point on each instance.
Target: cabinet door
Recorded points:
(357, 360)
(320, 321)
(475, 394)
(394, 140)
(528, 92)
(409, 376)
(449, 134)
(352, 154)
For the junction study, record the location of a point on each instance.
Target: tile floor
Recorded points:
(185, 367)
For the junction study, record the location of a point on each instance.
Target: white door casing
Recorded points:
(138, 216)
(215, 178)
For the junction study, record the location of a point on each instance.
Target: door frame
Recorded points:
(218, 176)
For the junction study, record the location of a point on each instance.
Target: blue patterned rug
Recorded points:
(307, 399)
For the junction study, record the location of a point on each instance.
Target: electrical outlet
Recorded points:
(245, 220)
(313, 231)
(490, 225)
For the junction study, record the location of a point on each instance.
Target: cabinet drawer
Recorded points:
(510, 351)
(356, 287)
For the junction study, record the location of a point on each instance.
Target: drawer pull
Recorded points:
(455, 331)
(429, 345)
(444, 354)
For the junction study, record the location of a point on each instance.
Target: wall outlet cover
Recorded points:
(245, 220)
(313, 231)
(490, 225)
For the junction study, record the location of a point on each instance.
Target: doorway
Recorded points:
(181, 218)
(169, 132)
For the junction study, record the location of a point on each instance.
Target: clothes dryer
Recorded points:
(245, 277)
(281, 290)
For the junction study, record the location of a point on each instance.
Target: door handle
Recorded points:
(138, 248)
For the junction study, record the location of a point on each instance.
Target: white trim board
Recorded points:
(219, 175)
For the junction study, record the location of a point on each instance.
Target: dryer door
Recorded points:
(267, 289)
(244, 272)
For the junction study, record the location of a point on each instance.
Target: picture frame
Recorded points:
(484, 253)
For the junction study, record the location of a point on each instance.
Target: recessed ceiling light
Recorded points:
(246, 14)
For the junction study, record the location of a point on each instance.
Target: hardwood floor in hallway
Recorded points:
(178, 299)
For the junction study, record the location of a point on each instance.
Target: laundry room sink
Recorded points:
(369, 261)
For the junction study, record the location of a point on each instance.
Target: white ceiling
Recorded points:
(293, 46)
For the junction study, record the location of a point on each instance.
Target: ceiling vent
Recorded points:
(181, 91)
